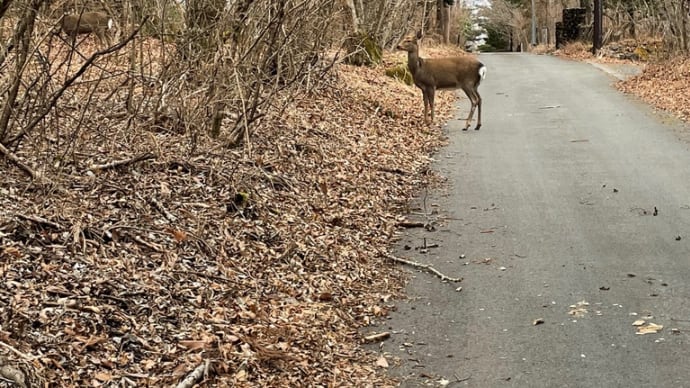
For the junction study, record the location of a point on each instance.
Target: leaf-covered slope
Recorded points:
(263, 261)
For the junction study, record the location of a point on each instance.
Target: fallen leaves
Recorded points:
(650, 328)
(579, 309)
(663, 85)
(382, 362)
(263, 261)
(643, 327)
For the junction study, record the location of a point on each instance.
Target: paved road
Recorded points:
(549, 205)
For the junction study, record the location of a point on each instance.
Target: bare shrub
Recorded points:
(65, 105)
(204, 72)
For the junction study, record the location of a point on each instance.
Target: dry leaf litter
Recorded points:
(256, 266)
(664, 85)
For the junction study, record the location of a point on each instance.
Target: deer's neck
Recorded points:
(413, 61)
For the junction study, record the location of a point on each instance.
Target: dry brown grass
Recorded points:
(542, 49)
(575, 50)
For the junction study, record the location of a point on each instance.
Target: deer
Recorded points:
(431, 74)
(86, 23)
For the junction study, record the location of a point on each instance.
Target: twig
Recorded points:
(393, 170)
(460, 380)
(124, 162)
(427, 267)
(197, 374)
(40, 220)
(58, 94)
(149, 245)
(17, 352)
(207, 276)
(410, 224)
(377, 337)
(159, 206)
(14, 159)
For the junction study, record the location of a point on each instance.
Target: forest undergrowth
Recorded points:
(144, 256)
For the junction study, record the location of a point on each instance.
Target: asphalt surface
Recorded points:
(549, 214)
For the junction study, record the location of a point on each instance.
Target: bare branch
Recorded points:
(120, 163)
(426, 267)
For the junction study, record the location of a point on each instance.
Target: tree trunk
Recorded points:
(202, 19)
(360, 46)
(445, 23)
(685, 14)
(443, 20)
(426, 15)
(352, 15)
(22, 39)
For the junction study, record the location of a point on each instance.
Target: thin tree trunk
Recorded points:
(445, 23)
(684, 21)
(22, 38)
(354, 21)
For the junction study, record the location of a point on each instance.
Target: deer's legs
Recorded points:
(479, 110)
(426, 105)
(476, 102)
(468, 92)
(428, 95)
(431, 102)
(103, 38)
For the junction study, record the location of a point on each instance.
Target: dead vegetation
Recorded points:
(664, 85)
(223, 224)
(148, 260)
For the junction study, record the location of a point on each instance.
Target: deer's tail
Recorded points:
(482, 71)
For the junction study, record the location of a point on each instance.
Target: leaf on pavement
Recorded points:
(650, 328)
(578, 309)
(382, 362)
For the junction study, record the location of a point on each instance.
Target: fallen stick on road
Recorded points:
(427, 267)
(377, 337)
(410, 224)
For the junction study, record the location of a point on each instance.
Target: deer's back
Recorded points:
(85, 23)
(450, 73)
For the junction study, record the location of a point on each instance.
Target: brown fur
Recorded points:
(431, 74)
(86, 23)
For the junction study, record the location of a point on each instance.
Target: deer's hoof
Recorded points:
(464, 129)
(477, 127)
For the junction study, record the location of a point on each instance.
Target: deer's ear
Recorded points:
(419, 34)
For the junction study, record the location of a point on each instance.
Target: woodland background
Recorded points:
(209, 199)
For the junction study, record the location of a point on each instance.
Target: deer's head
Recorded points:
(410, 42)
